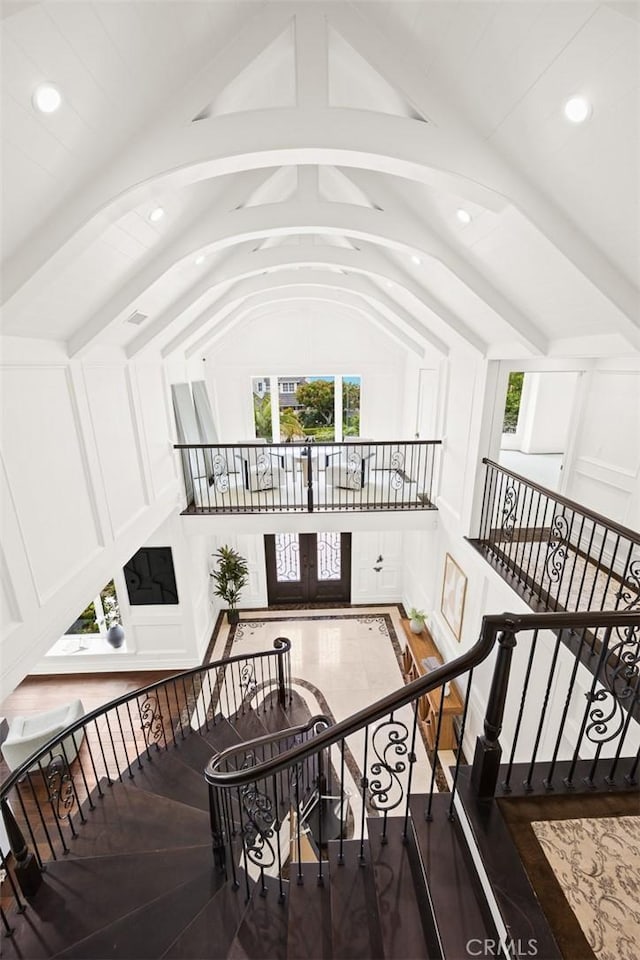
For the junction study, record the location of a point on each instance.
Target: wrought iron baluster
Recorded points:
(411, 758)
(459, 751)
(543, 713)
(364, 783)
(41, 815)
(27, 820)
(591, 698)
(435, 752)
(113, 746)
(548, 780)
(104, 759)
(506, 785)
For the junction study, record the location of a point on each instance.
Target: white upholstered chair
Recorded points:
(27, 734)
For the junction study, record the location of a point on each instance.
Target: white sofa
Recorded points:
(27, 734)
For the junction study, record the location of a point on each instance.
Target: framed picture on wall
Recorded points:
(454, 589)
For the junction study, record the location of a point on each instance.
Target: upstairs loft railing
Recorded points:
(585, 734)
(307, 477)
(565, 728)
(555, 553)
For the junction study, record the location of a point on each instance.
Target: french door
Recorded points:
(308, 567)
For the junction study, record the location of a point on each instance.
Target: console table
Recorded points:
(418, 647)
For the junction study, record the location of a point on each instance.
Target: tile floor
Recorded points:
(349, 656)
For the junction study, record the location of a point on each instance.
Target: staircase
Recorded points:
(139, 879)
(178, 830)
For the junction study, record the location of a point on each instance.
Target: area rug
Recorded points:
(597, 864)
(575, 941)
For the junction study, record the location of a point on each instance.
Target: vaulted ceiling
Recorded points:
(321, 152)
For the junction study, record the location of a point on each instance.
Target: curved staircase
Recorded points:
(135, 875)
(178, 829)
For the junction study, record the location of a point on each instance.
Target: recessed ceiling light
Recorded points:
(46, 98)
(156, 214)
(577, 109)
(199, 259)
(463, 215)
(416, 259)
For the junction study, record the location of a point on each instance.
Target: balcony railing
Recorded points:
(557, 554)
(307, 477)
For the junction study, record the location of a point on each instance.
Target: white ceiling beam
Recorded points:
(457, 262)
(405, 71)
(172, 157)
(312, 57)
(257, 285)
(298, 295)
(246, 262)
(161, 258)
(382, 227)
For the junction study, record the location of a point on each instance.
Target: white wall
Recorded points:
(317, 343)
(546, 410)
(602, 467)
(85, 478)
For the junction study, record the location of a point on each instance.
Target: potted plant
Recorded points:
(416, 620)
(230, 577)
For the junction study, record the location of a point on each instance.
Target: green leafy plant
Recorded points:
(418, 615)
(290, 426)
(231, 575)
(512, 402)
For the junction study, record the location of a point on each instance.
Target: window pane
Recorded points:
(316, 410)
(262, 408)
(287, 557)
(351, 406)
(328, 556)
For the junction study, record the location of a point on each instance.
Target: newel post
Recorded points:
(26, 870)
(488, 752)
(278, 644)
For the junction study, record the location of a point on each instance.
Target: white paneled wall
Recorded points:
(87, 474)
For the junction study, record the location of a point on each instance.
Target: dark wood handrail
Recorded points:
(491, 626)
(309, 443)
(281, 645)
(572, 504)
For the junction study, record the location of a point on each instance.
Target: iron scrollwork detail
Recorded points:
(258, 823)
(151, 718)
(619, 679)
(509, 510)
(264, 472)
(354, 470)
(247, 681)
(220, 473)
(60, 787)
(389, 741)
(397, 470)
(557, 548)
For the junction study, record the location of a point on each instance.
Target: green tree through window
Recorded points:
(512, 403)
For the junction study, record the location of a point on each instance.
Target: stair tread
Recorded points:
(309, 935)
(276, 717)
(167, 775)
(194, 751)
(263, 929)
(355, 928)
(211, 931)
(146, 932)
(145, 822)
(458, 902)
(220, 735)
(402, 916)
(79, 897)
(248, 725)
